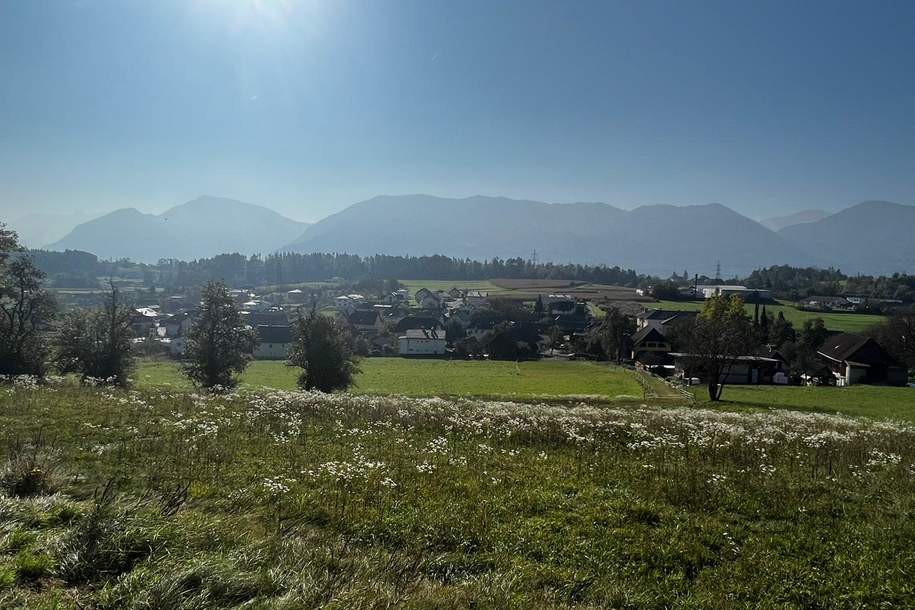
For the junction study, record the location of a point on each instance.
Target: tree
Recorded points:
(96, 343)
(454, 331)
(723, 332)
(781, 331)
(26, 310)
(803, 354)
(897, 336)
(613, 333)
(219, 345)
(322, 348)
(557, 337)
(538, 306)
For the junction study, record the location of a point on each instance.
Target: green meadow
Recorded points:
(430, 377)
(843, 322)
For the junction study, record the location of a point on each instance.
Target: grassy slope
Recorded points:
(300, 502)
(438, 377)
(845, 322)
(869, 401)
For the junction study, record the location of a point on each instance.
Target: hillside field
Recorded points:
(843, 322)
(168, 499)
(879, 402)
(414, 377)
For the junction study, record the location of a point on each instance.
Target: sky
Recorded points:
(306, 107)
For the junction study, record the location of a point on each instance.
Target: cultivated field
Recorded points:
(528, 290)
(844, 322)
(481, 378)
(163, 499)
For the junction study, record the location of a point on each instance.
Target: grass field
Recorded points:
(545, 378)
(844, 322)
(173, 500)
(861, 400)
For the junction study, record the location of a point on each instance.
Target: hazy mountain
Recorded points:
(203, 227)
(777, 223)
(653, 239)
(871, 237)
(39, 229)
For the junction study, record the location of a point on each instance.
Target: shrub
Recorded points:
(31, 468)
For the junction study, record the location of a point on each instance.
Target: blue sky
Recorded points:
(309, 106)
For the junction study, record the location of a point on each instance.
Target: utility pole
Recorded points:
(718, 271)
(534, 258)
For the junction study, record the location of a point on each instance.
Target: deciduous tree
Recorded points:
(723, 332)
(323, 349)
(26, 311)
(97, 343)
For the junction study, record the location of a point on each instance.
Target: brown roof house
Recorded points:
(855, 359)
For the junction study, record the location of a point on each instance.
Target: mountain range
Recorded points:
(871, 237)
(200, 228)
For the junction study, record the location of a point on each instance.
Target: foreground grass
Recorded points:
(307, 500)
(842, 322)
(861, 400)
(415, 377)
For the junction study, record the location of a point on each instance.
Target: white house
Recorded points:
(422, 342)
(729, 290)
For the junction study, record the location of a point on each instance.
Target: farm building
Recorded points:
(854, 359)
(422, 342)
(274, 344)
(745, 370)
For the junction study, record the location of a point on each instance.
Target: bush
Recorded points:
(107, 541)
(31, 468)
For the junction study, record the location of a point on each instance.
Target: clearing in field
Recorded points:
(162, 499)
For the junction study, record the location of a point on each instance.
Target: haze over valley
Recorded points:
(870, 237)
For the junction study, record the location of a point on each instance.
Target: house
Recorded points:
(268, 317)
(748, 294)
(176, 325)
(347, 303)
(422, 342)
(366, 320)
(429, 300)
(827, 303)
(657, 318)
(274, 344)
(753, 370)
(295, 295)
(455, 293)
(650, 342)
(143, 321)
(854, 359)
(476, 297)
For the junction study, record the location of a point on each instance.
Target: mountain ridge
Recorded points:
(202, 227)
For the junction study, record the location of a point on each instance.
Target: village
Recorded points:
(468, 323)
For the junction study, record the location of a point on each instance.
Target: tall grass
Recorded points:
(287, 499)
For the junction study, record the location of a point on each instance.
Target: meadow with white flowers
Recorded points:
(270, 499)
